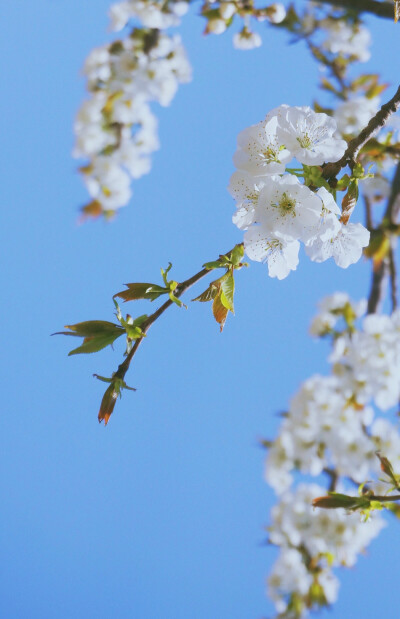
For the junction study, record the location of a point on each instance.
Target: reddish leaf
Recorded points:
(220, 311)
(107, 404)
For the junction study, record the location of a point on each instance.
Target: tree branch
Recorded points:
(181, 288)
(376, 123)
(380, 9)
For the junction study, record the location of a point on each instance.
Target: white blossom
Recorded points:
(245, 189)
(276, 13)
(288, 208)
(353, 115)
(280, 254)
(259, 151)
(376, 188)
(309, 136)
(245, 39)
(345, 247)
(346, 39)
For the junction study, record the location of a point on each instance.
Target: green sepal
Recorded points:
(237, 254)
(313, 177)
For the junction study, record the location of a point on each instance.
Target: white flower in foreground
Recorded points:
(329, 224)
(345, 247)
(288, 208)
(352, 116)
(245, 189)
(281, 254)
(347, 40)
(309, 136)
(245, 39)
(259, 150)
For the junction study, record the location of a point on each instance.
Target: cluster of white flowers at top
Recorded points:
(115, 129)
(221, 14)
(328, 538)
(352, 40)
(331, 425)
(275, 209)
(152, 14)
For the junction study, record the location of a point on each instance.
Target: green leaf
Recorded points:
(141, 291)
(387, 468)
(95, 343)
(91, 328)
(227, 291)
(207, 295)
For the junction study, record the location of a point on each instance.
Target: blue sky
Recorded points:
(162, 513)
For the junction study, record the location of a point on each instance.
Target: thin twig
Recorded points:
(393, 279)
(376, 123)
(378, 288)
(384, 498)
(181, 288)
(378, 284)
(380, 9)
(368, 214)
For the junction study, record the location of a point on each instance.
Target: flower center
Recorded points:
(305, 141)
(286, 203)
(270, 154)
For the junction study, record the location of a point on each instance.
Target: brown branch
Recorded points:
(377, 122)
(379, 275)
(380, 9)
(384, 498)
(378, 288)
(393, 278)
(369, 224)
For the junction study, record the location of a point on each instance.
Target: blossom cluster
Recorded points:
(346, 39)
(220, 16)
(312, 543)
(116, 132)
(333, 425)
(275, 209)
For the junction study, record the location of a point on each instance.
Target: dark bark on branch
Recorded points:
(379, 276)
(374, 126)
(380, 9)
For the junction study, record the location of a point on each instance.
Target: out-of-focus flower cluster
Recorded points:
(275, 208)
(116, 132)
(220, 16)
(333, 425)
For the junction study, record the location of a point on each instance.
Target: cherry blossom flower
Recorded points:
(288, 208)
(259, 151)
(280, 254)
(345, 247)
(310, 136)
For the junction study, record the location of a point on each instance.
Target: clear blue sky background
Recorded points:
(162, 513)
